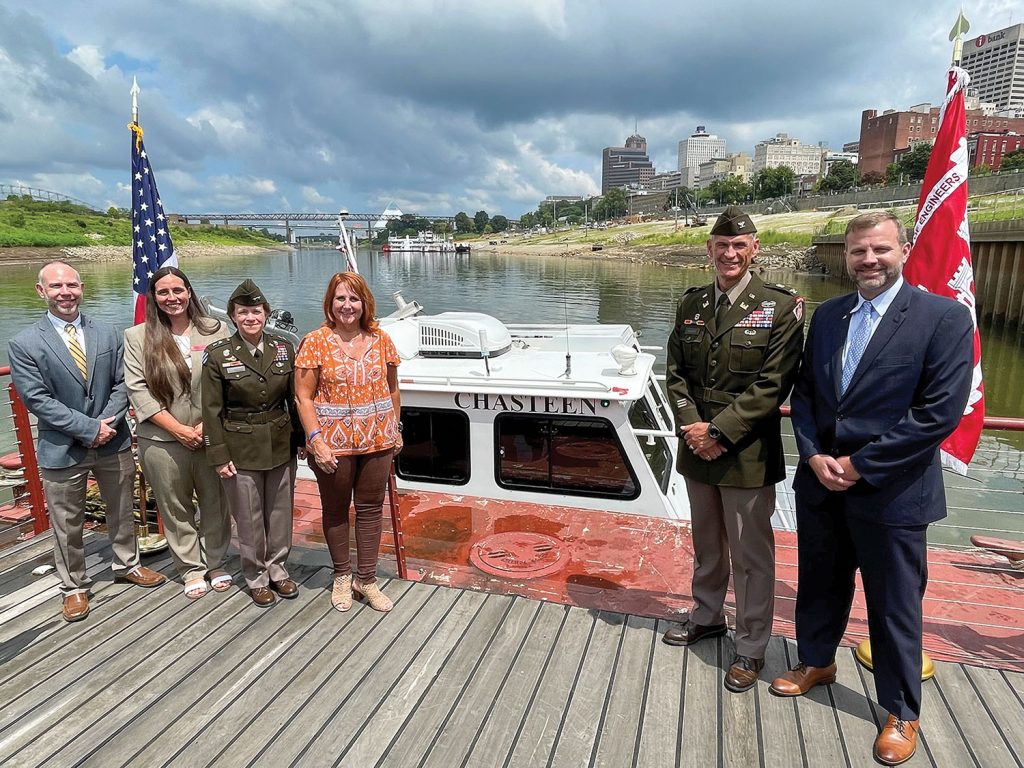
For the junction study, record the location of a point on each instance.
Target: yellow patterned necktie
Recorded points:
(76, 349)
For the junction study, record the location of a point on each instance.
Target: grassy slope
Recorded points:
(42, 224)
(794, 228)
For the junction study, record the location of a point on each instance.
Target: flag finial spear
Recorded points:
(956, 36)
(135, 100)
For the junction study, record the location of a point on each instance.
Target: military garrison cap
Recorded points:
(248, 294)
(733, 222)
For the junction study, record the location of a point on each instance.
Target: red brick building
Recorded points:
(884, 136)
(989, 148)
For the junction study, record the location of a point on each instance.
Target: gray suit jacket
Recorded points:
(69, 409)
(187, 406)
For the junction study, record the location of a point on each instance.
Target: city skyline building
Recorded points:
(884, 137)
(626, 166)
(781, 149)
(666, 180)
(990, 148)
(995, 62)
(697, 148)
(737, 164)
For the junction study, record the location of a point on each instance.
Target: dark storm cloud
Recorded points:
(452, 103)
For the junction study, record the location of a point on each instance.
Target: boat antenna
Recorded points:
(485, 352)
(344, 245)
(567, 374)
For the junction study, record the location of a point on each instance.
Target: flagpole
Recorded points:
(956, 37)
(148, 542)
(135, 100)
(941, 259)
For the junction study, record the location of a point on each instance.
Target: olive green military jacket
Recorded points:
(249, 413)
(735, 377)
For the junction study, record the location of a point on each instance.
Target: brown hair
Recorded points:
(163, 366)
(355, 283)
(873, 219)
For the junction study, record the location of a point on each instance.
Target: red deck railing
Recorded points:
(30, 494)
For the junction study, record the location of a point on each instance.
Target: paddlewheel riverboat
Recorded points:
(424, 242)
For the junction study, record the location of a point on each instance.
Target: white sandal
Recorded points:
(195, 589)
(221, 583)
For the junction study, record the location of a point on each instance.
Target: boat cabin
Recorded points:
(551, 414)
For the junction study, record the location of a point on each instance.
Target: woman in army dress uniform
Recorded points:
(252, 435)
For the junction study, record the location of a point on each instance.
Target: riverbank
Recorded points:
(774, 257)
(79, 253)
(785, 241)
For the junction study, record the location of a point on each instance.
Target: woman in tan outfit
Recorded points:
(163, 361)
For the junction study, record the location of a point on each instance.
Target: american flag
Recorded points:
(940, 261)
(151, 242)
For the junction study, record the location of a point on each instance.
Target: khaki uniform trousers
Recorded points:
(65, 498)
(175, 473)
(261, 502)
(734, 523)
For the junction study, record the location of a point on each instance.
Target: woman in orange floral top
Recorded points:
(346, 388)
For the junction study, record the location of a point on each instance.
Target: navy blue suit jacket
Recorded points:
(907, 396)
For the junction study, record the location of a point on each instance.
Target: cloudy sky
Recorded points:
(439, 105)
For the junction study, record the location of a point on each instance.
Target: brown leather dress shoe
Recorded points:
(802, 678)
(286, 588)
(141, 576)
(690, 632)
(76, 606)
(897, 742)
(263, 597)
(742, 674)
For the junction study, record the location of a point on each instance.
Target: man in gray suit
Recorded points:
(69, 372)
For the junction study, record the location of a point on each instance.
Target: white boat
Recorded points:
(424, 242)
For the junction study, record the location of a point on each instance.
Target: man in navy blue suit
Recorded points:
(884, 380)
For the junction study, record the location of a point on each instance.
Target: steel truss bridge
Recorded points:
(292, 221)
(41, 194)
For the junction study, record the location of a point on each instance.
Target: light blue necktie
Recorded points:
(858, 343)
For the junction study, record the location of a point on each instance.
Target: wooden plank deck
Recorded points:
(449, 678)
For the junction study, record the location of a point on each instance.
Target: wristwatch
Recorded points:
(714, 432)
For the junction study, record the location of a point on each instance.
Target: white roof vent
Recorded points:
(462, 334)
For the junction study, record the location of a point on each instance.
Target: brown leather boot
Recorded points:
(742, 674)
(690, 632)
(897, 742)
(802, 678)
(76, 606)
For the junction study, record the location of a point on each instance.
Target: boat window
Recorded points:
(655, 393)
(581, 457)
(436, 446)
(658, 455)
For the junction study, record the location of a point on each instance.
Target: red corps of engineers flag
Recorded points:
(151, 241)
(940, 261)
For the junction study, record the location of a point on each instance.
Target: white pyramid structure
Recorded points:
(390, 211)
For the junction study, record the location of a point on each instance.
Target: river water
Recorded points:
(536, 289)
(520, 289)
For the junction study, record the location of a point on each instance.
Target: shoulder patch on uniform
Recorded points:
(781, 289)
(217, 344)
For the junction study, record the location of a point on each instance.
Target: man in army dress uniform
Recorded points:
(252, 434)
(732, 360)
